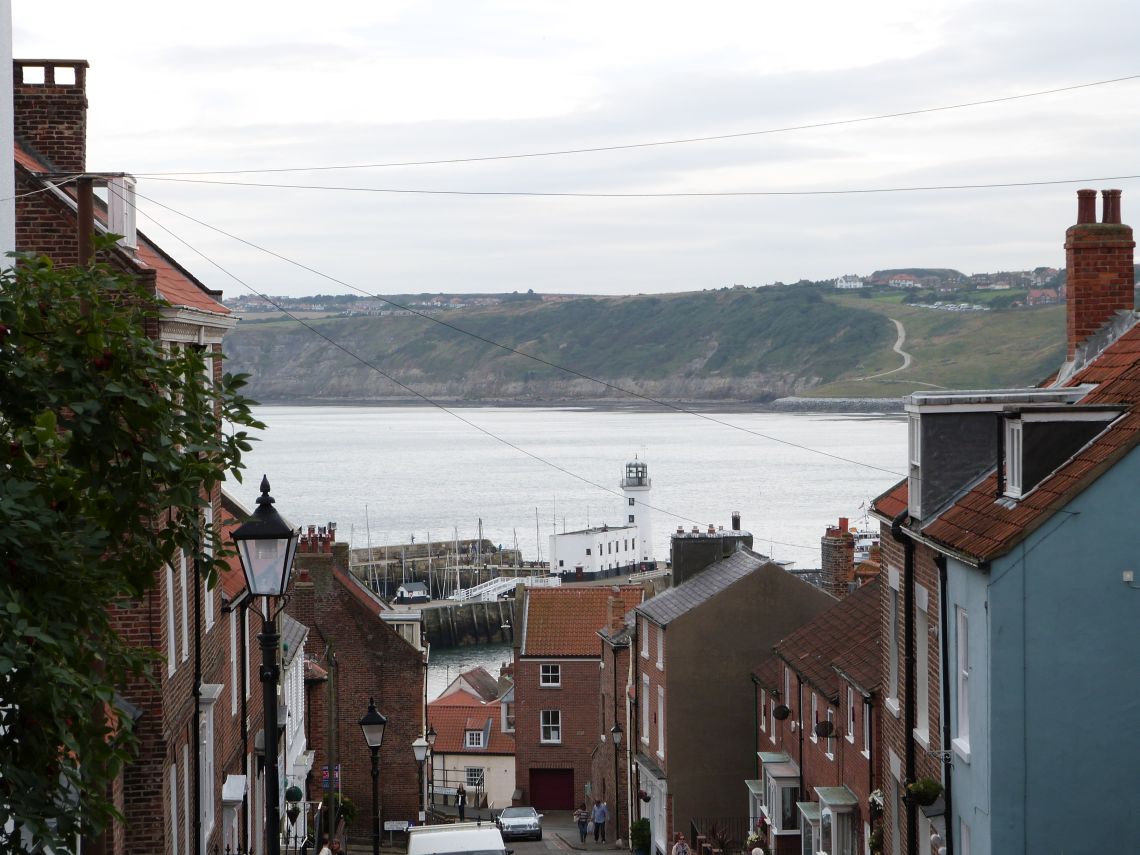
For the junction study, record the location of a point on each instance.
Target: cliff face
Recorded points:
(715, 347)
(712, 346)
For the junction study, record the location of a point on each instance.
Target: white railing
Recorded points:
(493, 588)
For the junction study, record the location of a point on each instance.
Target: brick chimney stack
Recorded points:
(1098, 261)
(50, 110)
(837, 549)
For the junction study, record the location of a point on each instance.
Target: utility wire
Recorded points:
(663, 195)
(427, 400)
(46, 189)
(659, 143)
(572, 371)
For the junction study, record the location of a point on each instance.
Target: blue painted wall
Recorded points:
(1063, 717)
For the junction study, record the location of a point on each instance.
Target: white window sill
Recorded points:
(850, 738)
(550, 686)
(660, 666)
(961, 748)
(660, 755)
(645, 740)
(830, 757)
(892, 706)
(866, 755)
(922, 737)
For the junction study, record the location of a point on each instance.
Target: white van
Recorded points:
(459, 838)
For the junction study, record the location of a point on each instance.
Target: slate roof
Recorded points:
(845, 636)
(452, 721)
(717, 577)
(175, 284)
(565, 621)
(980, 526)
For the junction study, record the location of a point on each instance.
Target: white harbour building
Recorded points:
(610, 550)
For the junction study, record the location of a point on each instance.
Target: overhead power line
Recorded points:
(662, 195)
(512, 350)
(658, 143)
(410, 389)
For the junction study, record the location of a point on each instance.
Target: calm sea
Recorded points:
(386, 474)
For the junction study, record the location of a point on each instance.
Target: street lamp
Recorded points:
(266, 544)
(372, 723)
(420, 748)
(431, 757)
(616, 734)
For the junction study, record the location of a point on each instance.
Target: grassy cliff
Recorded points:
(738, 345)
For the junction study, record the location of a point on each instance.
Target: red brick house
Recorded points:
(192, 702)
(818, 725)
(694, 650)
(557, 721)
(368, 650)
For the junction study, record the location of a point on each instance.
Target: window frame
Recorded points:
(550, 675)
(660, 649)
(961, 741)
(893, 652)
(851, 723)
(645, 638)
(1014, 457)
(478, 781)
(473, 739)
(550, 727)
(661, 722)
(645, 709)
(814, 716)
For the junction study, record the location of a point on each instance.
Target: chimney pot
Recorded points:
(843, 523)
(736, 520)
(1086, 207)
(1111, 212)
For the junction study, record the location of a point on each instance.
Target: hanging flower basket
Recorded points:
(924, 791)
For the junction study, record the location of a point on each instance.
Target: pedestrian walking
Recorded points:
(582, 817)
(600, 815)
(461, 801)
(680, 847)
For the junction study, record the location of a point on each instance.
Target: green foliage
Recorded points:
(108, 444)
(925, 791)
(639, 835)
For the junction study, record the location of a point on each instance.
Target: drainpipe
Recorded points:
(943, 608)
(197, 735)
(800, 731)
(900, 535)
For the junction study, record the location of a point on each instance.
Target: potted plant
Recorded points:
(875, 844)
(639, 836)
(924, 791)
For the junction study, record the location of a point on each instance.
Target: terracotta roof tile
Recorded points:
(844, 636)
(176, 285)
(981, 527)
(565, 621)
(452, 721)
(893, 502)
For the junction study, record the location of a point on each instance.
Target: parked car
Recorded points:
(517, 822)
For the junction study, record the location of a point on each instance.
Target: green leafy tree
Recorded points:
(108, 445)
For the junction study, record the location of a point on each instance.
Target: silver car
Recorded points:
(516, 822)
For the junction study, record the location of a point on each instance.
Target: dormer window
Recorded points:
(474, 739)
(1013, 468)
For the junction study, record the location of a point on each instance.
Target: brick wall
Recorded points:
(1099, 259)
(615, 661)
(365, 659)
(894, 737)
(578, 698)
(51, 115)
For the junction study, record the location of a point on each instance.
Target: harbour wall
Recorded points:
(473, 622)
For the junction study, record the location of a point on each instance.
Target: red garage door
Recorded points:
(552, 789)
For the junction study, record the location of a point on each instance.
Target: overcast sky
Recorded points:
(247, 85)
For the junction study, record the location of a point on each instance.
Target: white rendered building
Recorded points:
(609, 550)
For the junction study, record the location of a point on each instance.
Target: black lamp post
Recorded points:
(266, 544)
(420, 749)
(430, 736)
(616, 734)
(373, 724)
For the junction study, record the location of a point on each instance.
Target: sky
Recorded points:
(219, 87)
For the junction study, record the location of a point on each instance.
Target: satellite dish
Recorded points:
(781, 712)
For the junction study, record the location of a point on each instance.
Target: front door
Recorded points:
(552, 789)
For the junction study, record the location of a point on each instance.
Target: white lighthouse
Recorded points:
(635, 487)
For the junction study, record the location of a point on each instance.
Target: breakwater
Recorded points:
(472, 622)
